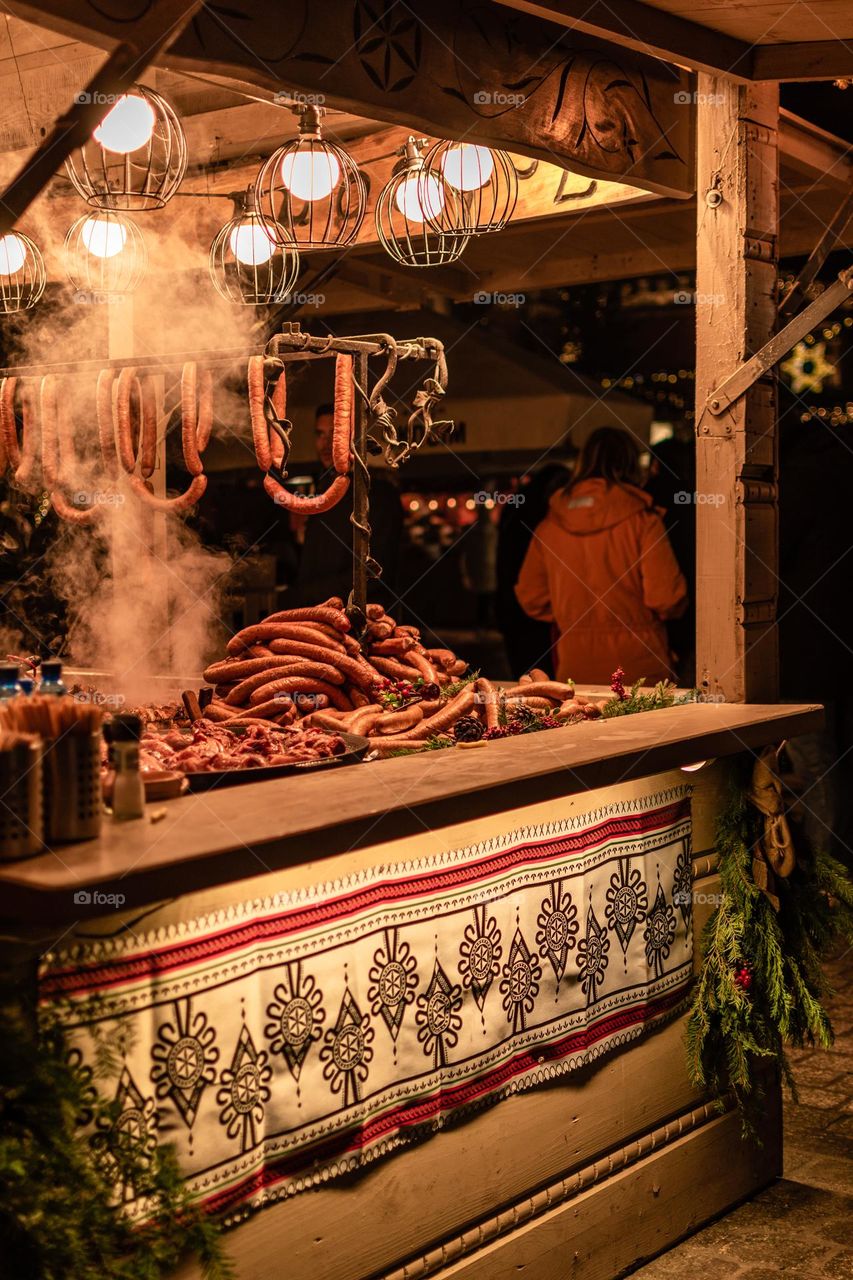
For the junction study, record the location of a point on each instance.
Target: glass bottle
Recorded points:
(128, 788)
(51, 678)
(10, 686)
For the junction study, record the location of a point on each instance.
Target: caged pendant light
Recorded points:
(137, 156)
(409, 208)
(105, 255)
(252, 261)
(311, 190)
(22, 275)
(485, 183)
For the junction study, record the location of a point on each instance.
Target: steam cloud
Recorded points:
(143, 594)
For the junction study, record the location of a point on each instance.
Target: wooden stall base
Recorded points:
(534, 1185)
(579, 1180)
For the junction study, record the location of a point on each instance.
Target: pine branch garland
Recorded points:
(762, 985)
(60, 1218)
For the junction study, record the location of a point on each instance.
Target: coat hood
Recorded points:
(594, 505)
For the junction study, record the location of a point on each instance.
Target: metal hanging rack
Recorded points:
(375, 430)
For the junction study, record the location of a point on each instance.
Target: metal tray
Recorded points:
(356, 748)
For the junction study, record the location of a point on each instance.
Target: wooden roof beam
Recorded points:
(653, 31)
(650, 30)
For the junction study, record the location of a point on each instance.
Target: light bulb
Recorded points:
(467, 166)
(310, 173)
(128, 126)
(417, 191)
(251, 244)
(104, 237)
(13, 255)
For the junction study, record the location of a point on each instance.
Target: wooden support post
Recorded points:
(736, 452)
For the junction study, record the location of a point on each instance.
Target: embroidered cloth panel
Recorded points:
(282, 1041)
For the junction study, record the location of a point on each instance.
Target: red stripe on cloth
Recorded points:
(442, 1103)
(81, 979)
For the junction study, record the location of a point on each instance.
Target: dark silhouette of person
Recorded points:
(325, 566)
(672, 485)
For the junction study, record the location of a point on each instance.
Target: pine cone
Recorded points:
(467, 729)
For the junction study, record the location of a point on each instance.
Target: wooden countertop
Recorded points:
(230, 834)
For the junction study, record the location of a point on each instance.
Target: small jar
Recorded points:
(123, 733)
(51, 681)
(10, 685)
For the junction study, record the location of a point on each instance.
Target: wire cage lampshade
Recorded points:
(485, 183)
(105, 254)
(310, 190)
(408, 208)
(251, 260)
(22, 275)
(137, 156)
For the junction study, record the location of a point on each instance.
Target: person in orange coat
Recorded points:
(601, 569)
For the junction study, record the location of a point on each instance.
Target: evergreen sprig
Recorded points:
(762, 984)
(60, 1216)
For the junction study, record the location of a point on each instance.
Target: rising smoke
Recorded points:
(143, 594)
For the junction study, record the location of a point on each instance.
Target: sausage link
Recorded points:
(354, 669)
(4, 457)
(342, 429)
(553, 689)
(306, 633)
(394, 670)
(536, 673)
(7, 419)
(486, 697)
(29, 441)
(204, 422)
(399, 721)
(260, 429)
(279, 633)
(444, 657)
(330, 614)
(394, 646)
(232, 670)
(182, 502)
(302, 684)
(189, 419)
(126, 383)
(106, 426)
(311, 670)
(461, 705)
(424, 666)
(148, 454)
(319, 503)
(74, 515)
(364, 720)
(279, 404)
(357, 696)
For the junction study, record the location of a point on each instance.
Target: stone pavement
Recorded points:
(802, 1226)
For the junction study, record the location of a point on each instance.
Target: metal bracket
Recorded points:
(779, 345)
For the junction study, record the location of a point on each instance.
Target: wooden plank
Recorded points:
(232, 834)
(648, 29)
(736, 463)
(803, 60)
(466, 1171)
(669, 1195)
(513, 81)
(463, 1222)
(767, 22)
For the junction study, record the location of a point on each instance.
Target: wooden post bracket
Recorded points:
(779, 345)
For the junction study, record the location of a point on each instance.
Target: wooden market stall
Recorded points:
(317, 993)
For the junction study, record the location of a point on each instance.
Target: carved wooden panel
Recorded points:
(448, 68)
